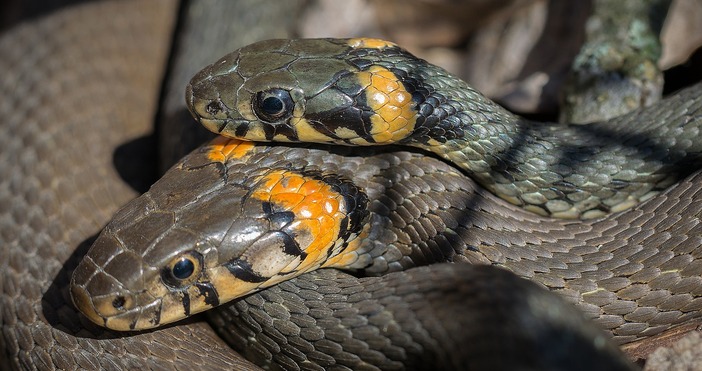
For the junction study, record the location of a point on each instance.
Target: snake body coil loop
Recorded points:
(235, 217)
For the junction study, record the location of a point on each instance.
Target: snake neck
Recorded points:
(565, 171)
(505, 153)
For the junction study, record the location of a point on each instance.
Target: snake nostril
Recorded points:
(119, 302)
(214, 108)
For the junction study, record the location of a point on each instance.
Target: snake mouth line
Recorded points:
(140, 318)
(214, 125)
(127, 311)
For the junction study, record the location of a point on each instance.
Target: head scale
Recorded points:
(344, 91)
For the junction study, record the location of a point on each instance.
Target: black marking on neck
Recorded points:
(157, 316)
(209, 293)
(241, 130)
(352, 114)
(242, 270)
(436, 112)
(436, 115)
(291, 247)
(351, 118)
(279, 128)
(132, 325)
(278, 219)
(186, 303)
(355, 201)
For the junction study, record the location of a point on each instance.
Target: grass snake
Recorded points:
(50, 217)
(236, 217)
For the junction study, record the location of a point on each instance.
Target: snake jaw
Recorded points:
(122, 310)
(143, 317)
(118, 309)
(83, 302)
(213, 125)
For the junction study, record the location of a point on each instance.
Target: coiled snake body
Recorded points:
(236, 217)
(637, 272)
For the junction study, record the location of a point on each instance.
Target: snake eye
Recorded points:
(273, 105)
(183, 270)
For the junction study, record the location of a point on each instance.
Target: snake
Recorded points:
(282, 214)
(190, 262)
(372, 92)
(39, 329)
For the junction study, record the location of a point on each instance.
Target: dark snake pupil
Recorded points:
(183, 269)
(272, 105)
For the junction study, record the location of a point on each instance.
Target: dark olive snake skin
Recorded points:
(372, 92)
(419, 222)
(69, 100)
(59, 185)
(609, 274)
(49, 219)
(345, 322)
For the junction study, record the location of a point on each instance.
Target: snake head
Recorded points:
(214, 228)
(343, 91)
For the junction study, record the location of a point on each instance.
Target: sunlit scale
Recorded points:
(318, 210)
(352, 252)
(222, 148)
(394, 116)
(369, 43)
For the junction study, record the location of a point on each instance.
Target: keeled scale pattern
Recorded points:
(74, 86)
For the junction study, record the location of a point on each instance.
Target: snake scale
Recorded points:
(41, 333)
(91, 72)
